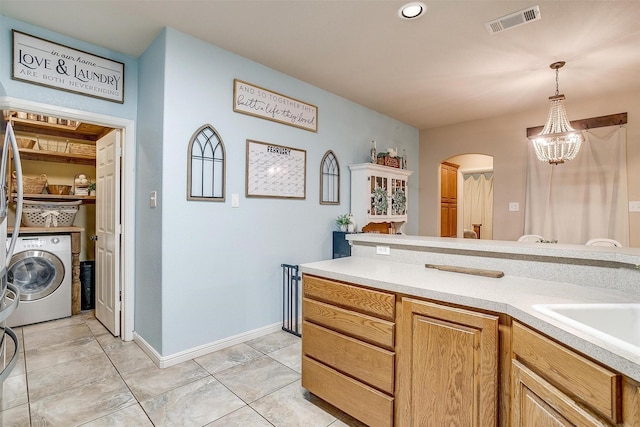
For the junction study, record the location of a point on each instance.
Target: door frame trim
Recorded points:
(127, 196)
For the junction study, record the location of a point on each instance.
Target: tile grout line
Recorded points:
(121, 377)
(95, 337)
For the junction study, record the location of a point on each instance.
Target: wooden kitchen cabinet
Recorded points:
(391, 359)
(448, 199)
(538, 403)
(554, 385)
(447, 367)
(348, 348)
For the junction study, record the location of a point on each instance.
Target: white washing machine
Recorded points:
(41, 269)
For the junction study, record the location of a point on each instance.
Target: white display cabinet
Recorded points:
(379, 194)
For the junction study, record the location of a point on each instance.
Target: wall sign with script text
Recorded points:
(45, 63)
(256, 101)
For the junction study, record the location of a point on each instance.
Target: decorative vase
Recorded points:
(352, 223)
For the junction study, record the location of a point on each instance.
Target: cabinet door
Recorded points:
(448, 220)
(448, 182)
(398, 196)
(537, 403)
(448, 366)
(379, 205)
(448, 199)
(453, 220)
(594, 386)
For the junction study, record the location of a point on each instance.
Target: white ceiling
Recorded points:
(440, 69)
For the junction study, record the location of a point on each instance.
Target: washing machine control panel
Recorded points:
(40, 243)
(32, 243)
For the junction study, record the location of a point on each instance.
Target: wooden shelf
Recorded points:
(59, 157)
(86, 132)
(56, 197)
(37, 124)
(46, 230)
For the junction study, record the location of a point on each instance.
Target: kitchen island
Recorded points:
(490, 320)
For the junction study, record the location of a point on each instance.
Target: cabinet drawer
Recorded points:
(374, 303)
(367, 328)
(365, 362)
(356, 399)
(575, 375)
(538, 403)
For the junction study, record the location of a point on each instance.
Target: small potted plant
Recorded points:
(343, 221)
(92, 189)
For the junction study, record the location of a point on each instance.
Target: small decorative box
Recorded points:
(386, 160)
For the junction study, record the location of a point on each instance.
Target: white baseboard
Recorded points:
(192, 353)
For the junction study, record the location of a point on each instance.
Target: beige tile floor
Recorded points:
(73, 372)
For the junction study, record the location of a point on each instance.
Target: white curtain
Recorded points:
(478, 203)
(583, 198)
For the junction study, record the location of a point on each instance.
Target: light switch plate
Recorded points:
(514, 206)
(235, 200)
(153, 199)
(634, 206)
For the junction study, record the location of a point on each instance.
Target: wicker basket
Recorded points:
(25, 142)
(86, 149)
(60, 190)
(49, 214)
(52, 145)
(30, 185)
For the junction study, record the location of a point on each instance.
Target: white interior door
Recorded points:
(108, 231)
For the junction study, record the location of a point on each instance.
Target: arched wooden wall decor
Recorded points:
(329, 179)
(206, 166)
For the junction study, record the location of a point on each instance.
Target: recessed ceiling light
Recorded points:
(412, 10)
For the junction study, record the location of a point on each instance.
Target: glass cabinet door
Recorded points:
(379, 196)
(398, 196)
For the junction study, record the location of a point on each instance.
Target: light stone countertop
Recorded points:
(596, 253)
(511, 295)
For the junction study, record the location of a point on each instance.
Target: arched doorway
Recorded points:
(474, 196)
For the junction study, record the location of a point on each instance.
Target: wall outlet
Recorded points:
(634, 206)
(383, 250)
(514, 206)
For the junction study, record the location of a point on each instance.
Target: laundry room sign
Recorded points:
(49, 64)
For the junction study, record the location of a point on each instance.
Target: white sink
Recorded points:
(618, 324)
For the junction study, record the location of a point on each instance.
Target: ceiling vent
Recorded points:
(513, 20)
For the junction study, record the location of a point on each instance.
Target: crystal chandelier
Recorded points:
(558, 141)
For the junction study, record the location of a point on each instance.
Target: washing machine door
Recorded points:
(35, 273)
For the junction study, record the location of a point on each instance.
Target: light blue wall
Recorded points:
(221, 271)
(206, 271)
(36, 93)
(148, 288)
